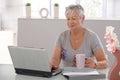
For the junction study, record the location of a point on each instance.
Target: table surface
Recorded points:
(7, 72)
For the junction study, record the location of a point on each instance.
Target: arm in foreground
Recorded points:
(56, 58)
(101, 60)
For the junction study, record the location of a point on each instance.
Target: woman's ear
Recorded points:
(83, 18)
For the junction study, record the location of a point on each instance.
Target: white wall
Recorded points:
(6, 38)
(117, 8)
(0, 22)
(10, 11)
(110, 8)
(113, 9)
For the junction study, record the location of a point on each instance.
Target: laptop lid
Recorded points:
(31, 59)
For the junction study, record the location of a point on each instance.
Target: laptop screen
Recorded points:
(30, 58)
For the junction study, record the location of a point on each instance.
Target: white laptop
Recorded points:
(31, 61)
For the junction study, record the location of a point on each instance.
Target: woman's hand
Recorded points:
(89, 62)
(53, 64)
(56, 58)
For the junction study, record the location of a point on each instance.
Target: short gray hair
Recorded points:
(77, 8)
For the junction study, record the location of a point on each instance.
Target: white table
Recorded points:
(7, 72)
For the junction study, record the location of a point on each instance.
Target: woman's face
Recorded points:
(74, 21)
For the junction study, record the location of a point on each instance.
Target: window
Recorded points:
(93, 8)
(62, 5)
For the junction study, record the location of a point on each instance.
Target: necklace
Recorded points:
(77, 38)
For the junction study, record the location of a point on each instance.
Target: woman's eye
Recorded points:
(68, 19)
(74, 18)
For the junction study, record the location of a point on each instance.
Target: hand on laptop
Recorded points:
(53, 66)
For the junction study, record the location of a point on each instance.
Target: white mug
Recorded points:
(80, 60)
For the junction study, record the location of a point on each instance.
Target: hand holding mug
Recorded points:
(89, 62)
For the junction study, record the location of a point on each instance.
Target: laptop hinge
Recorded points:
(33, 72)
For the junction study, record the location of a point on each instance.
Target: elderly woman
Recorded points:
(78, 39)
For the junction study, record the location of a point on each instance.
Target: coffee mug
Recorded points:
(80, 60)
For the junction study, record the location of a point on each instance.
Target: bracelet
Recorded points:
(95, 65)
